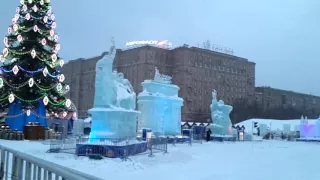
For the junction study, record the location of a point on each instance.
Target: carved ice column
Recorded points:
(158, 103)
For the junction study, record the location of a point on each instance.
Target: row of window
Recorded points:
(231, 85)
(234, 70)
(207, 59)
(208, 73)
(294, 102)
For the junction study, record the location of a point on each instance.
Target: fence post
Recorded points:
(28, 171)
(149, 141)
(190, 141)
(14, 173)
(2, 164)
(1, 171)
(166, 145)
(45, 174)
(39, 173)
(174, 141)
(7, 165)
(125, 152)
(20, 168)
(34, 172)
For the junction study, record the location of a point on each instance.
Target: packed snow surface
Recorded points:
(264, 160)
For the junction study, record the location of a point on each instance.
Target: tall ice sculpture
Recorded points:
(220, 116)
(113, 112)
(160, 106)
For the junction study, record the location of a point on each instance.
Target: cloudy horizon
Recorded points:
(282, 38)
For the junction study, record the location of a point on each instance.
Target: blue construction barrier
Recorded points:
(110, 148)
(223, 138)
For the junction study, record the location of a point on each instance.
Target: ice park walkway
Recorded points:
(278, 160)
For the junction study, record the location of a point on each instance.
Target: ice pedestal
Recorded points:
(113, 123)
(152, 116)
(172, 118)
(160, 106)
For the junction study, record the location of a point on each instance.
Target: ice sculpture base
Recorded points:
(114, 123)
(111, 150)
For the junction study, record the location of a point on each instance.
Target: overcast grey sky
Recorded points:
(282, 37)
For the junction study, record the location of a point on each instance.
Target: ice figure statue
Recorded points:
(160, 106)
(113, 112)
(303, 120)
(220, 116)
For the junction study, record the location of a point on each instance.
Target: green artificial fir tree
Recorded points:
(29, 75)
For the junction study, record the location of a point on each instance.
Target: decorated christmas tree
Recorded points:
(31, 86)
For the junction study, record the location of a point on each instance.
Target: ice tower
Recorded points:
(113, 112)
(220, 116)
(160, 106)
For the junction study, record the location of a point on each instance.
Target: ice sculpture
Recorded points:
(309, 130)
(113, 112)
(304, 120)
(160, 106)
(286, 128)
(220, 116)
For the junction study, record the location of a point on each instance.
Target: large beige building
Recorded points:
(80, 75)
(196, 71)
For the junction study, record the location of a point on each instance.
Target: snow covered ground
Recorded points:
(277, 160)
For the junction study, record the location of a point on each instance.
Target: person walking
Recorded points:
(208, 134)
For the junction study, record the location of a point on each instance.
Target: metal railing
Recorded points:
(63, 146)
(15, 165)
(197, 138)
(109, 147)
(157, 144)
(104, 146)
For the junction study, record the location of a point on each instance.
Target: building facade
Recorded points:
(80, 74)
(270, 98)
(196, 71)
